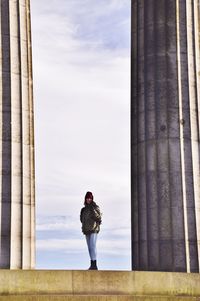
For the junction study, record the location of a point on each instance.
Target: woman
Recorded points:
(90, 217)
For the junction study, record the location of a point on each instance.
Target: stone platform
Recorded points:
(67, 285)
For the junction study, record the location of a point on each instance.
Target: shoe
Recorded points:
(93, 265)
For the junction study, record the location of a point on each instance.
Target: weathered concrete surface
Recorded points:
(97, 298)
(17, 197)
(98, 283)
(165, 141)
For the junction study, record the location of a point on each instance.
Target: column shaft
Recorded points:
(165, 135)
(20, 213)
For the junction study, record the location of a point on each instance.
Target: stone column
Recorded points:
(165, 140)
(17, 202)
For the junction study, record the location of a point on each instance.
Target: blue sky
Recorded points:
(81, 65)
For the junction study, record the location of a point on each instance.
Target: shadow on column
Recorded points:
(6, 140)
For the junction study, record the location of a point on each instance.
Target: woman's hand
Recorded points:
(97, 214)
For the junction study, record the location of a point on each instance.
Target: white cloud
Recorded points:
(72, 223)
(68, 246)
(55, 222)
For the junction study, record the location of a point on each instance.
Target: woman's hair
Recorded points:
(88, 195)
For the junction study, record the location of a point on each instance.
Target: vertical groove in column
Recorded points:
(16, 152)
(164, 201)
(194, 213)
(1, 129)
(174, 151)
(187, 142)
(26, 172)
(142, 206)
(181, 74)
(171, 122)
(196, 29)
(144, 118)
(150, 134)
(5, 170)
(156, 125)
(134, 179)
(32, 154)
(197, 54)
(197, 77)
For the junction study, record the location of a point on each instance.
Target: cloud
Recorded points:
(77, 246)
(68, 245)
(111, 240)
(55, 223)
(94, 23)
(73, 225)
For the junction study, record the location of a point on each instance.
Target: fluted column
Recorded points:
(165, 140)
(17, 205)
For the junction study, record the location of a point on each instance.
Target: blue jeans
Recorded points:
(91, 243)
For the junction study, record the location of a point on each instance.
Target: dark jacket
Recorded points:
(90, 217)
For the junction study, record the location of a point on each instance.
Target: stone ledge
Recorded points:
(117, 283)
(95, 298)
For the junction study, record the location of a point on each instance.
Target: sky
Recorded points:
(81, 75)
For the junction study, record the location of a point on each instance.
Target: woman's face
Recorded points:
(88, 200)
